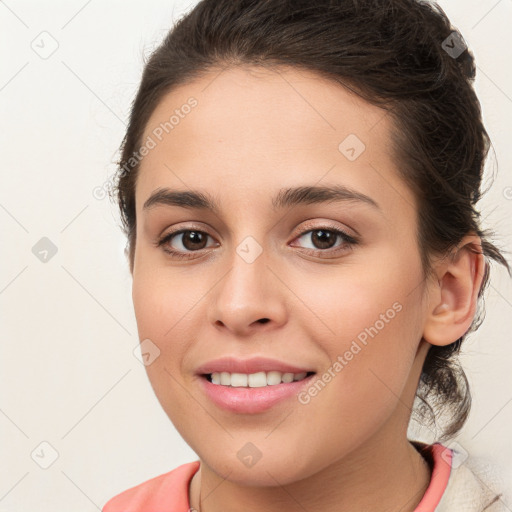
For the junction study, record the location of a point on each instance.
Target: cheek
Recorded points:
(354, 305)
(161, 316)
(369, 329)
(168, 312)
(162, 301)
(158, 310)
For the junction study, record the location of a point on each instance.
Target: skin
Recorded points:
(253, 132)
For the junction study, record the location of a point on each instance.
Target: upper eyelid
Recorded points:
(302, 231)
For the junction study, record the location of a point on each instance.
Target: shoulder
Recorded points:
(475, 484)
(166, 492)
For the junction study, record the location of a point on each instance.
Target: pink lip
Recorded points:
(253, 365)
(246, 400)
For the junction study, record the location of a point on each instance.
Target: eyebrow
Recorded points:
(286, 197)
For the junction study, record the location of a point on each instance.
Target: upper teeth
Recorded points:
(255, 380)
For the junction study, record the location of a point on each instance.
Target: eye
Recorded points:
(324, 238)
(194, 240)
(189, 241)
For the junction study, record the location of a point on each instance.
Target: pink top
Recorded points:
(169, 492)
(442, 463)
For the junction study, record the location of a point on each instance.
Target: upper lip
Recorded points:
(252, 365)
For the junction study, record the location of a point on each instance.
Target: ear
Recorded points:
(453, 298)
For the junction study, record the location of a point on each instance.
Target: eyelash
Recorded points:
(350, 241)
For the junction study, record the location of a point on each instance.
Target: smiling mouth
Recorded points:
(254, 380)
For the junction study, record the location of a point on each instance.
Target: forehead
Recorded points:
(251, 130)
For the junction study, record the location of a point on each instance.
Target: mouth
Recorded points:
(254, 393)
(254, 380)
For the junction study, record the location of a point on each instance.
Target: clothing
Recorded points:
(460, 483)
(457, 484)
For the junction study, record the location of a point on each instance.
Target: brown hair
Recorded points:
(391, 53)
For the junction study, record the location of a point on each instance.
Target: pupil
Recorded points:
(193, 237)
(324, 235)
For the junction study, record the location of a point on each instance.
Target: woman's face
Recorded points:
(352, 313)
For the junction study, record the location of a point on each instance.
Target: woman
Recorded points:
(298, 185)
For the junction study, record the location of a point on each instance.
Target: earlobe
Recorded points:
(454, 295)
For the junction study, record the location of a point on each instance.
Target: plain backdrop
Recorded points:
(74, 396)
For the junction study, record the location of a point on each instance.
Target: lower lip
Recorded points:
(248, 400)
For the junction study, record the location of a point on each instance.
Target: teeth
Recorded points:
(254, 380)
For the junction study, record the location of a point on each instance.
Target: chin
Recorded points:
(267, 471)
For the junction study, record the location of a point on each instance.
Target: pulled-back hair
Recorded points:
(394, 54)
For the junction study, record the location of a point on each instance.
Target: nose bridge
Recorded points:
(251, 253)
(248, 263)
(251, 236)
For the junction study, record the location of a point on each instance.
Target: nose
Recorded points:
(248, 297)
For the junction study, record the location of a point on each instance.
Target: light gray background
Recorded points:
(69, 374)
